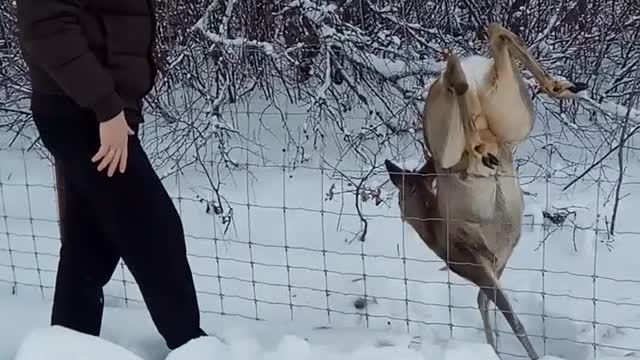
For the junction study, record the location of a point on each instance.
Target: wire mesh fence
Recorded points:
(270, 132)
(282, 242)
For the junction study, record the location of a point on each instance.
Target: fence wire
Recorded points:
(292, 256)
(272, 151)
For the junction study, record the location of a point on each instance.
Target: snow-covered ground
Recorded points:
(26, 336)
(285, 259)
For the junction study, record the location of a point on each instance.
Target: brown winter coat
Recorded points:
(97, 52)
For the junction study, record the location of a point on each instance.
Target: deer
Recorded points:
(479, 104)
(465, 202)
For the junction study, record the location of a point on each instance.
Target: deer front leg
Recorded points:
(488, 148)
(555, 88)
(505, 102)
(479, 143)
(483, 306)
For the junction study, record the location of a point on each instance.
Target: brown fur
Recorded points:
(473, 246)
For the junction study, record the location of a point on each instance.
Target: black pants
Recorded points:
(128, 216)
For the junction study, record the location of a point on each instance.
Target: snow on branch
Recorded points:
(614, 109)
(357, 72)
(267, 48)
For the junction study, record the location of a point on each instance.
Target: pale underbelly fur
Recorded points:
(479, 199)
(503, 108)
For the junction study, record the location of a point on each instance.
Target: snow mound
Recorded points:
(290, 347)
(58, 342)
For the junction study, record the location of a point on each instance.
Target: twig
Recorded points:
(604, 157)
(621, 164)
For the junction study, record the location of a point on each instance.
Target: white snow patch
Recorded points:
(61, 343)
(244, 341)
(202, 348)
(435, 298)
(456, 350)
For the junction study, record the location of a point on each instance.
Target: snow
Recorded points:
(613, 109)
(243, 340)
(397, 69)
(281, 280)
(61, 343)
(48, 343)
(287, 260)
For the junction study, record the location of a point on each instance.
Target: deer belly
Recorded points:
(480, 200)
(466, 200)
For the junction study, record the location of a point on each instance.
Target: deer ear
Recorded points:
(395, 173)
(427, 169)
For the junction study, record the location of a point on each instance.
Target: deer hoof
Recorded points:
(491, 161)
(577, 87)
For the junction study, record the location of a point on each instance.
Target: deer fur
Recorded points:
(465, 203)
(480, 104)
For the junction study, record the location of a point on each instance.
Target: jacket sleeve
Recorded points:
(53, 40)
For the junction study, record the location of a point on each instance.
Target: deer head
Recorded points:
(416, 196)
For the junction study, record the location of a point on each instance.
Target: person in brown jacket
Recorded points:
(90, 64)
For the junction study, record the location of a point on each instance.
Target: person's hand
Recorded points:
(114, 137)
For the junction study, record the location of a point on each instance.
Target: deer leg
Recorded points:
(479, 143)
(497, 295)
(443, 131)
(487, 148)
(485, 278)
(453, 78)
(489, 306)
(505, 102)
(483, 306)
(519, 50)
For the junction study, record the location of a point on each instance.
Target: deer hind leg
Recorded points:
(498, 296)
(504, 97)
(486, 280)
(519, 50)
(480, 142)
